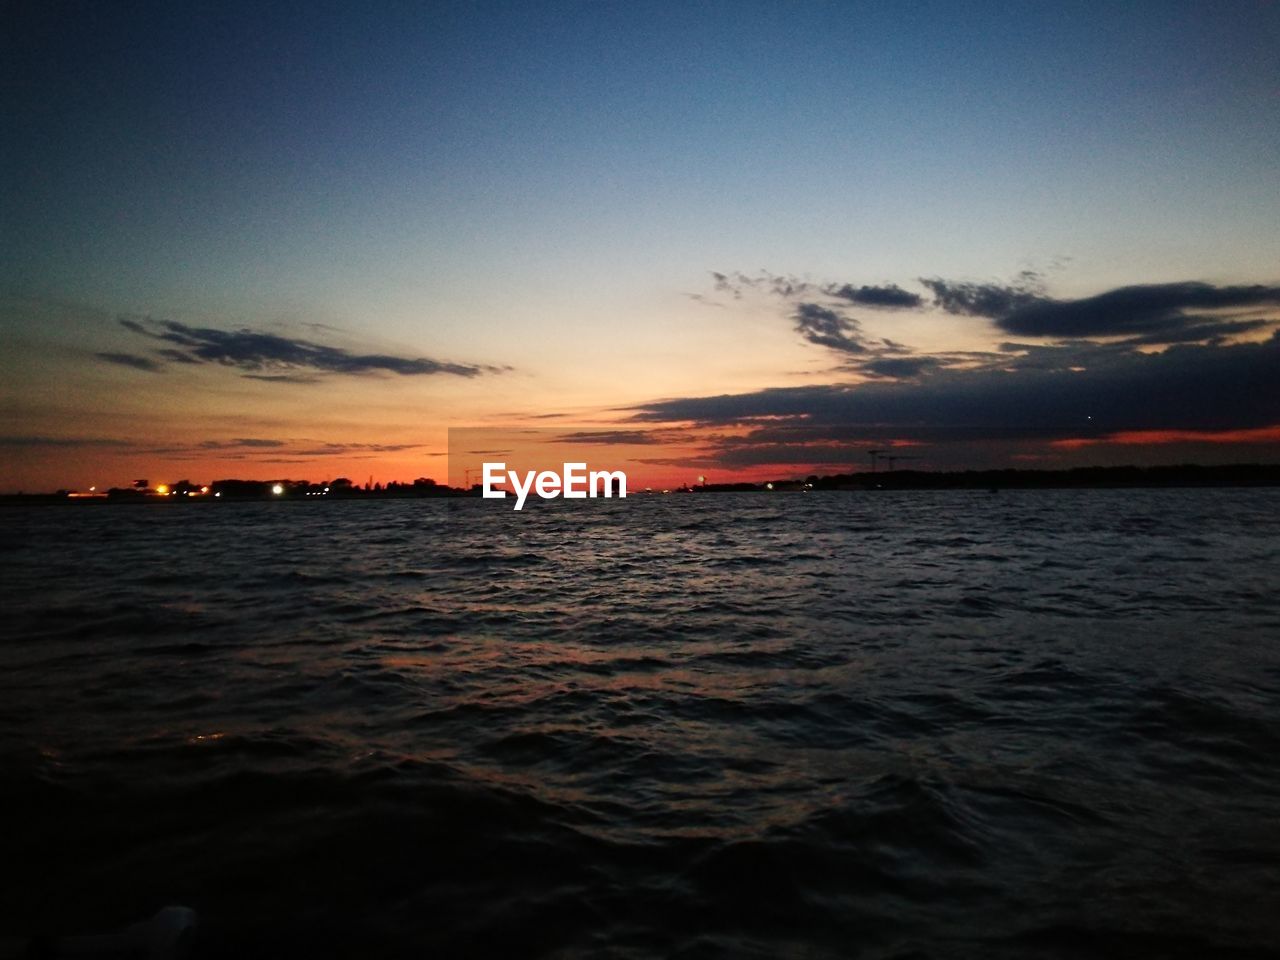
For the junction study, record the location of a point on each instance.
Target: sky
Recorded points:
(734, 240)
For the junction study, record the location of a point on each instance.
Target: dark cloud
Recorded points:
(268, 356)
(620, 437)
(1153, 314)
(347, 449)
(790, 287)
(839, 456)
(1198, 331)
(826, 327)
(46, 441)
(132, 360)
(1125, 319)
(830, 455)
(991, 300)
(1088, 371)
(282, 377)
(240, 442)
(900, 368)
(892, 296)
(1156, 311)
(1190, 387)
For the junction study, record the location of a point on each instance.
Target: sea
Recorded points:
(1038, 723)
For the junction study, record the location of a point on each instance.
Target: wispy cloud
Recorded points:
(283, 377)
(828, 328)
(789, 287)
(275, 358)
(239, 443)
(991, 300)
(1123, 319)
(737, 283)
(132, 360)
(47, 441)
(346, 449)
(614, 437)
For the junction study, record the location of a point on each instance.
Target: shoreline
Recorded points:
(1184, 476)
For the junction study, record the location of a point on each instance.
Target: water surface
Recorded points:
(929, 724)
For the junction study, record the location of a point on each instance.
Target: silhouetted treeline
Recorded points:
(1182, 475)
(187, 492)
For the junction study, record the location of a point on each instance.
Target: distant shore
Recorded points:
(1183, 475)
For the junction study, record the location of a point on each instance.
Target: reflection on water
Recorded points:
(929, 724)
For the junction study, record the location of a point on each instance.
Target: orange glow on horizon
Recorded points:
(1143, 437)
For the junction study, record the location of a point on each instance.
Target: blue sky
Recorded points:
(541, 187)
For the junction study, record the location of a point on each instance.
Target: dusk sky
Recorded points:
(739, 240)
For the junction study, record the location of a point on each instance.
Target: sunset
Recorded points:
(349, 353)
(246, 241)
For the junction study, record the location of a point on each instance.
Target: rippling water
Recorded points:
(1042, 723)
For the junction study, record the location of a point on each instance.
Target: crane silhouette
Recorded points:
(878, 455)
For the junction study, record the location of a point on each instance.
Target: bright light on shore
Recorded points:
(278, 489)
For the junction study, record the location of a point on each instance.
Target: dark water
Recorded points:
(833, 725)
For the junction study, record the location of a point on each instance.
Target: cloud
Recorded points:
(1130, 317)
(268, 356)
(1155, 311)
(991, 300)
(240, 442)
(900, 368)
(132, 360)
(827, 328)
(789, 287)
(735, 284)
(1152, 314)
(1146, 314)
(612, 437)
(46, 441)
(282, 377)
(1188, 387)
(891, 296)
(768, 454)
(347, 449)
(1196, 330)
(1154, 363)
